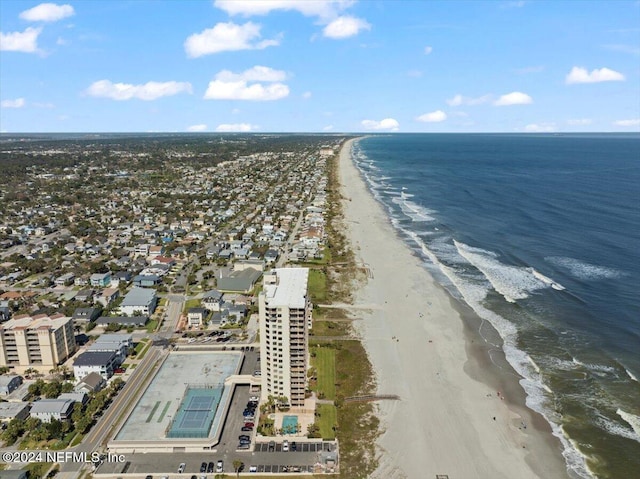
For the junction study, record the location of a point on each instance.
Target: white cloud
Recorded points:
(235, 86)
(148, 91)
(344, 27)
(540, 127)
(433, 117)
(47, 12)
(198, 127)
(240, 90)
(26, 41)
(634, 122)
(257, 73)
(226, 37)
(306, 95)
(580, 121)
(17, 103)
(386, 124)
(513, 98)
(458, 100)
(428, 50)
(327, 128)
(310, 8)
(228, 127)
(580, 75)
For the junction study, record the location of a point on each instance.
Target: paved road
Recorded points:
(106, 426)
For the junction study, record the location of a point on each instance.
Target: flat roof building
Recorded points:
(40, 341)
(284, 310)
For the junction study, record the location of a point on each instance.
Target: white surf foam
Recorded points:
(583, 270)
(512, 282)
(413, 210)
(616, 429)
(633, 421)
(631, 375)
(547, 280)
(595, 367)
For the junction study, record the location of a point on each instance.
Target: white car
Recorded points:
(181, 468)
(285, 446)
(219, 466)
(253, 468)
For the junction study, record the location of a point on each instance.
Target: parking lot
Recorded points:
(261, 456)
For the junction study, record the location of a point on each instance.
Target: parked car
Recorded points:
(219, 466)
(253, 468)
(285, 446)
(294, 446)
(249, 424)
(244, 436)
(181, 468)
(246, 428)
(272, 445)
(244, 445)
(203, 467)
(210, 467)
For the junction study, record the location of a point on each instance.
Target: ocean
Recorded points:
(540, 235)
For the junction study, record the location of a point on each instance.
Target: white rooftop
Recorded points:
(290, 289)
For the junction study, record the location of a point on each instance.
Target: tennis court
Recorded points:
(196, 413)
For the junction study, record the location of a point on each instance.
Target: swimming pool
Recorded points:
(289, 424)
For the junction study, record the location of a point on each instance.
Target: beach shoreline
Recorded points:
(462, 410)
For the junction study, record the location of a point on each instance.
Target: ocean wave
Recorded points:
(583, 270)
(601, 368)
(546, 279)
(512, 282)
(633, 421)
(631, 375)
(613, 427)
(414, 211)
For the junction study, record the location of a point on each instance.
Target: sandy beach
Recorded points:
(458, 414)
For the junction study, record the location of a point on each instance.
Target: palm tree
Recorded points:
(237, 464)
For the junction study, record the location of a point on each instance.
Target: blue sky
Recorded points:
(319, 66)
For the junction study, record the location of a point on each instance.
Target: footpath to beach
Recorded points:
(445, 422)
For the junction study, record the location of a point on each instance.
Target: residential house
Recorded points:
(146, 280)
(140, 301)
(65, 280)
(124, 321)
(92, 382)
(120, 343)
(13, 410)
(107, 296)
(77, 396)
(212, 300)
(85, 296)
(9, 383)
(85, 315)
(196, 317)
(48, 409)
(101, 362)
(100, 280)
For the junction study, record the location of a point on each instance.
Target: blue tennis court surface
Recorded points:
(196, 413)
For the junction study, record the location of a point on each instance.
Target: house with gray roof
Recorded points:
(92, 382)
(13, 410)
(48, 409)
(124, 321)
(239, 281)
(9, 383)
(139, 301)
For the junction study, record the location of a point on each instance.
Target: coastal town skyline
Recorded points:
(322, 66)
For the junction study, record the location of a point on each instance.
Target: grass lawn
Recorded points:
(152, 325)
(317, 286)
(191, 303)
(141, 349)
(328, 418)
(38, 470)
(325, 364)
(163, 302)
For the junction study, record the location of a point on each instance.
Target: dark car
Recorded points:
(244, 436)
(244, 446)
(294, 446)
(211, 467)
(203, 467)
(249, 424)
(246, 428)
